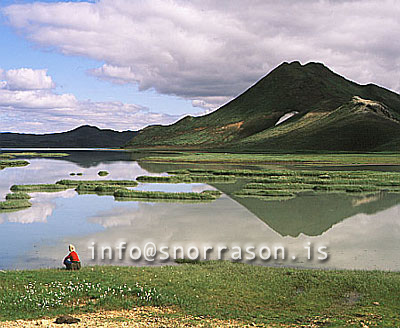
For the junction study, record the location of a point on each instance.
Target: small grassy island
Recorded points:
(206, 195)
(187, 178)
(12, 163)
(14, 204)
(48, 187)
(17, 195)
(8, 159)
(102, 173)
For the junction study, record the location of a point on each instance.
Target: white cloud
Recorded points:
(36, 99)
(42, 110)
(116, 74)
(202, 50)
(26, 79)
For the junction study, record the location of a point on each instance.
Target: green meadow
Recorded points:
(253, 294)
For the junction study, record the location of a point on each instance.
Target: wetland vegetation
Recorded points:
(75, 183)
(14, 204)
(46, 187)
(32, 154)
(206, 195)
(102, 173)
(187, 178)
(317, 158)
(17, 195)
(12, 163)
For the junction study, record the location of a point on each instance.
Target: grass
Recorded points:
(266, 195)
(14, 204)
(186, 178)
(284, 184)
(103, 173)
(12, 163)
(75, 183)
(207, 195)
(253, 294)
(98, 189)
(335, 181)
(6, 158)
(17, 195)
(319, 159)
(32, 154)
(39, 187)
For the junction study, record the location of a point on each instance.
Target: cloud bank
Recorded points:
(210, 51)
(28, 103)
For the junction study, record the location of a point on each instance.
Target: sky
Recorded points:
(126, 64)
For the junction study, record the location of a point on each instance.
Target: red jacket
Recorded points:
(73, 256)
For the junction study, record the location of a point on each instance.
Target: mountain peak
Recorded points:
(314, 92)
(86, 127)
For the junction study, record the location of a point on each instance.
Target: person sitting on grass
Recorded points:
(72, 261)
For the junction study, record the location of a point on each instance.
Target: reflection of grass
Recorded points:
(102, 173)
(253, 294)
(18, 195)
(14, 204)
(187, 179)
(136, 194)
(39, 187)
(75, 183)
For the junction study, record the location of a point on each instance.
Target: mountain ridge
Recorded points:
(85, 136)
(310, 89)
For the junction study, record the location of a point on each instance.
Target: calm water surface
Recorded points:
(361, 232)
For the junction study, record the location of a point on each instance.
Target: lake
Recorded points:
(359, 232)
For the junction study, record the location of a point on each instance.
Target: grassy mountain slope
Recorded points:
(329, 118)
(355, 126)
(83, 136)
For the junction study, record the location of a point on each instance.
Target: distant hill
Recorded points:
(328, 112)
(82, 137)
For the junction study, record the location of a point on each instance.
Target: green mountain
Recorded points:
(85, 136)
(330, 113)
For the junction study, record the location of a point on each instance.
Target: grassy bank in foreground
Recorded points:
(252, 293)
